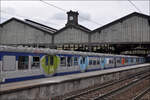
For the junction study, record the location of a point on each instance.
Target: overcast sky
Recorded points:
(97, 13)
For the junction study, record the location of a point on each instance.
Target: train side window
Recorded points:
(51, 60)
(102, 60)
(112, 61)
(63, 61)
(126, 60)
(35, 62)
(23, 62)
(75, 61)
(46, 62)
(118, 61)
(9, 63)
(131, 60)
(98, 62)
(83, 60)
(90, 62)
(69, 61)
(94, 62)
(109, 61)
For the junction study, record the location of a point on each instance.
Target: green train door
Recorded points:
(50, 64)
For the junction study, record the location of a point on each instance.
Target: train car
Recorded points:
(24, 63)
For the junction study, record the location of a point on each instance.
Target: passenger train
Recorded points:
(25, 63)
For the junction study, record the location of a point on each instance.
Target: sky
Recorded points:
(92, 14)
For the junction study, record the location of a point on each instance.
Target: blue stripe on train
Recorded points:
(23, 78)
(67, 73)
(57, 74)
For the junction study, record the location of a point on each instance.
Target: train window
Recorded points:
(69, 61)
(51, 60)
(83, 60)
(94, 62)
(23, 62)
(131, 60)
(35, 62)
(90, 62)
(9, 63)
(98, 62)
(126, 60)
(110, 61)
(75, 61)
(63, 61)
(118, 61)
(102, 60)
(46, 62)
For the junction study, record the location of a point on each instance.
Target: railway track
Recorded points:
(104, 91)
(128, 91)
(144, 95)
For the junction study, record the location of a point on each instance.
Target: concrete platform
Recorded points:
(59, 85)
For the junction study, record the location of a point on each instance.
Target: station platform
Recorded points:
(73, 81)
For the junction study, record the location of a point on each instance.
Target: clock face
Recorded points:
(70, 18)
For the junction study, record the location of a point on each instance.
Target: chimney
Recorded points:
(72, 18)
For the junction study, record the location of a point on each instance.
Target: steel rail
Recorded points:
(104, 86)
(130, 84)
(138, 97)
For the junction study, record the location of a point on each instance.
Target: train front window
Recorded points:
(23, 62)
(35, 62)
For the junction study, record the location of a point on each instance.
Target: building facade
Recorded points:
(18, 32)
(127, 35)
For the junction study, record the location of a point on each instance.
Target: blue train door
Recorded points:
(103, 61)
(83, 63)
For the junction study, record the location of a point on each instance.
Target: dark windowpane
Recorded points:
(23, 62)
(69, 61)
(83, 60)
(51, 60)
(94, 62)
(63, 61)
(46, 62)
(75, 60)
(90, 62)
(98, 62)
(36, 62)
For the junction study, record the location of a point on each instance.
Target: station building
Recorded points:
(127, 35)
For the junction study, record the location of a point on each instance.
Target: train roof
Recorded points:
(53, 51)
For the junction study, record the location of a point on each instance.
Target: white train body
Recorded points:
(24, 63)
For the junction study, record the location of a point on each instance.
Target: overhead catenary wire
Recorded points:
(135, 6)
(53, 5)
(64, 10)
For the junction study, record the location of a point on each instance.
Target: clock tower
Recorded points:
(72, 18)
